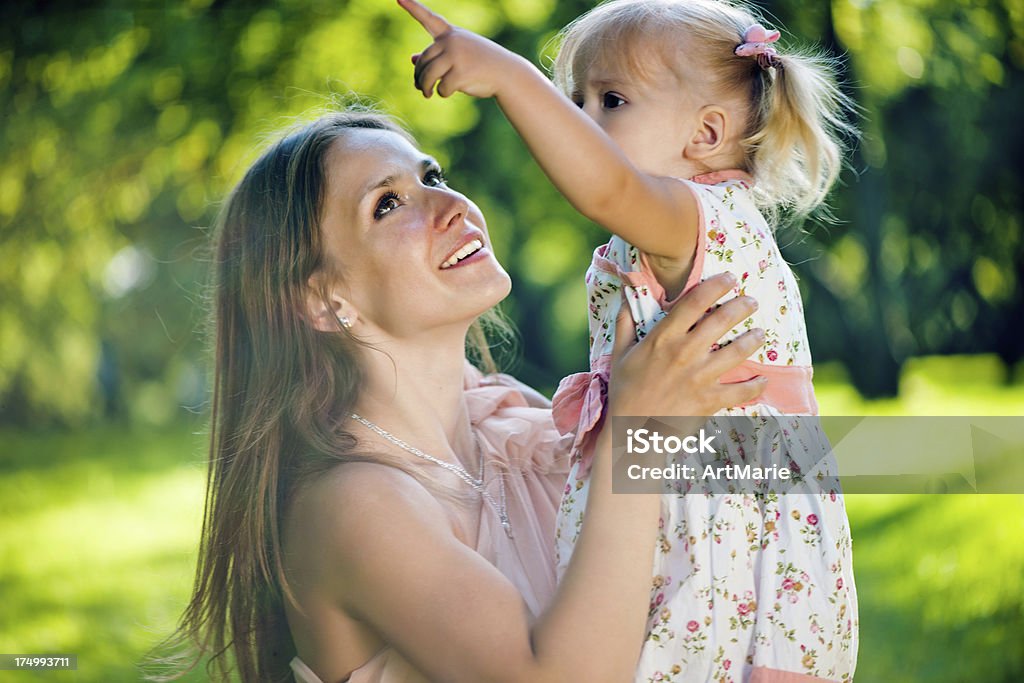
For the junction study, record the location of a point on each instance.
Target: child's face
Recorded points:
(650, 119)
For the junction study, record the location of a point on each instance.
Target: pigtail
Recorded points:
(798, 138)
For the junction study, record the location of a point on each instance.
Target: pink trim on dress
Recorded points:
(696, 269)
(578, 406)
(717, 177)
(789, 389)
(601, 263)
(762, 674)
(645, 277)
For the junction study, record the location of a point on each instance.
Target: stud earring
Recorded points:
(345, 322)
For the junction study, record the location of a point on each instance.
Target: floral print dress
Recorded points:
(746, 586)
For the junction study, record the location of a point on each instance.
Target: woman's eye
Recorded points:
(385, 205)
(611, 101)
(434, 178)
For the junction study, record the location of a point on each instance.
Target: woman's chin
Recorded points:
(484, 279)
(492, 291)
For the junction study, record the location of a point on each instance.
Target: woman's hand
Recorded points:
(673, 371)
(458, 60)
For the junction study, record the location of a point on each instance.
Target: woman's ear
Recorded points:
(326, 309)
(709, 136)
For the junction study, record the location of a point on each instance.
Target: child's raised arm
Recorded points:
(657, 215)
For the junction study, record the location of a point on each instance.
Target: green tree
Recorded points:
(123, 127)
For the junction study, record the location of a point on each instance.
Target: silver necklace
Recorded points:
(459, 471)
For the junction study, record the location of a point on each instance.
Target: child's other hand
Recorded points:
(458, 60)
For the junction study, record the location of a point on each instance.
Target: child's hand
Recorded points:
(458, 60)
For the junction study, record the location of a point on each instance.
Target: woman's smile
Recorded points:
(470, 248)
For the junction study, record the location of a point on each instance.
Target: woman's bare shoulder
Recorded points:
(363, 481)
(354, 502)
(378, 545)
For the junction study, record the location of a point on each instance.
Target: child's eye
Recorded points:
(611, 101)
(577, 99)
(385, 205)
(434, 178)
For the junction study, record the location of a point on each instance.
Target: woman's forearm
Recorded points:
(594, 628)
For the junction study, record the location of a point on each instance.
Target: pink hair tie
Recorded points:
(757, 43)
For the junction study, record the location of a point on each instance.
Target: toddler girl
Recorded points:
(690, 126)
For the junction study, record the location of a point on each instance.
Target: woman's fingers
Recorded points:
(742, 347)
(674, 368)
(685, 314)
(721, 321)
(433, 22)
(739, 393)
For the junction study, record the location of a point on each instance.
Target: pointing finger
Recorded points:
(434, 23)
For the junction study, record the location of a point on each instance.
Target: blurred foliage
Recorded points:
(125, 124)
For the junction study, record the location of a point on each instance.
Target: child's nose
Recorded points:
(592, 110)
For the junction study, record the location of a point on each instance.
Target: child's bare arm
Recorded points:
(657, 215)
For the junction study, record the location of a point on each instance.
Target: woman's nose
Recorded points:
(453, 210)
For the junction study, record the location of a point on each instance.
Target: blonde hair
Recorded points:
(796, 123)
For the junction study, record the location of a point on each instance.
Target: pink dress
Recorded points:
(524, 440)
(745, 587)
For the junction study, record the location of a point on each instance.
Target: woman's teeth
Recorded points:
(470, 248)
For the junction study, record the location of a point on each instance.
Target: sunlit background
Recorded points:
(123, 125)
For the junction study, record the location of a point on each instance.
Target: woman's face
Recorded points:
(413, 253)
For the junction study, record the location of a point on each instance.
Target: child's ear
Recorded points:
(709, 135)
(326, 310)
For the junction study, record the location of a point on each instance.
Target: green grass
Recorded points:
(97, 544)
(940, 581)
(98, 531)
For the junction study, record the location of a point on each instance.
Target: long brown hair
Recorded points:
(281, 392)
